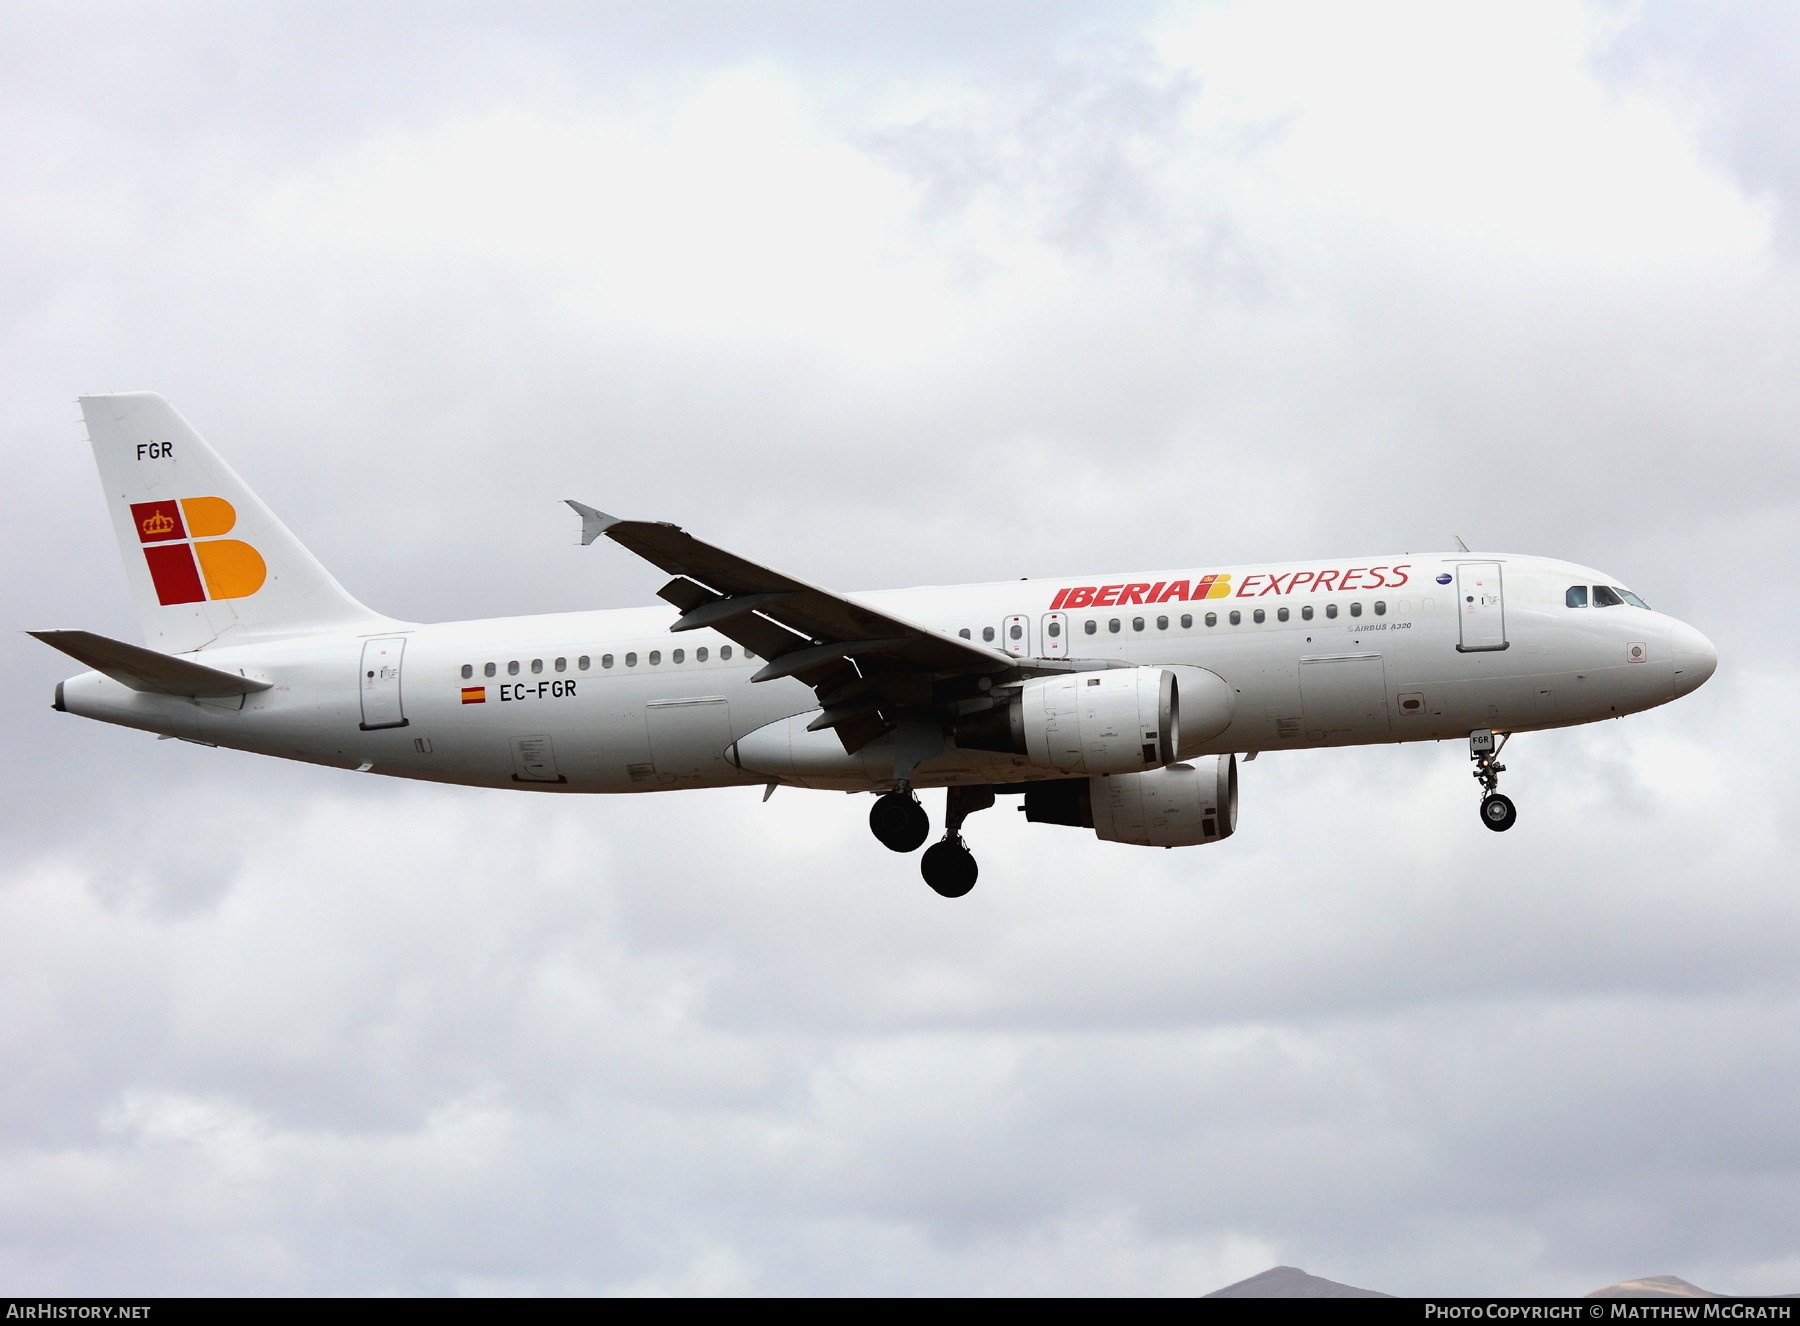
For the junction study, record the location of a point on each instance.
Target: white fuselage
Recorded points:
(612, 701)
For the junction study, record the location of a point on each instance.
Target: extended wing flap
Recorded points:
(148, 669)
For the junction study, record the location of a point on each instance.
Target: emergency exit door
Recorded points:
(1480, 609)
(381, 705)
(1015, 636)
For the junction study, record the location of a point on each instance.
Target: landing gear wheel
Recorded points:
(899, 821)
(1497, 812)
(949, 867)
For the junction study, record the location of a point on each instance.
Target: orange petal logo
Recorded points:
(188, 562)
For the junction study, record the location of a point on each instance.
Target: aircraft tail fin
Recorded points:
(207, 561)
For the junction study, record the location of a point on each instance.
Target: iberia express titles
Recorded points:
(1254, 586)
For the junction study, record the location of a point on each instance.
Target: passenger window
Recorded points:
(487, 670)
(700, 654)
(583, 662)
(655, 657)
(749, 655)
(1113, 625)
(1356, 609)
(1212, 619)
(1237, 618)
(1187, 621)
(724, 651)
(964, 633)
(679, 656)
(1259, 616)
(1017, 632)
(631, 660)
(512, 668)
(1162, 623)
(1576, 597)
(1331, 609)
(1605, 598)
(468, 671)
(1381, 607)
(1631, 598)
(1053, 630)
(1281, 614)
(606, 660)
(562, 665)
(987, 634)
(537, 665)
(1090, 626)
(1137, 623)
(1306, 613)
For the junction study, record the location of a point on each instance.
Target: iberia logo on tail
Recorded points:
(188, 562)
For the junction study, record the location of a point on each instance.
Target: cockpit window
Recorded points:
(1576, 597)
(1605, 598)
(1631, 598)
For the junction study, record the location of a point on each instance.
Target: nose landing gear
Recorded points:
(1497, 811)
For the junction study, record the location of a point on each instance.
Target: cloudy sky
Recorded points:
(887, 294)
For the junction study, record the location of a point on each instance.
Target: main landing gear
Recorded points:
(900, 823)
(1497, 812)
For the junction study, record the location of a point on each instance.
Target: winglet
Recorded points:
(593, 523)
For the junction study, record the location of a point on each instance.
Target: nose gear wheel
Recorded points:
(1497, 812)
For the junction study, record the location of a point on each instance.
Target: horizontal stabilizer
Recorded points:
(146, 669)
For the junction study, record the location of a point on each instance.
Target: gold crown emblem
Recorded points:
(160, 523)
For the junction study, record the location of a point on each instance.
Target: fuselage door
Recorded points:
(1344, 696)
(688, 737)
(1056, 635)
(1480, 612)
(381, 683)
(1015, 635)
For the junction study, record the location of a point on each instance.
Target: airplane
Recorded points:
(1116, 703)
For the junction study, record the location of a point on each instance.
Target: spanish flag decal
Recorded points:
(474, 694)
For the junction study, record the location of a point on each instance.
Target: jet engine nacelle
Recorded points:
(1118, 720)
(1182, 805)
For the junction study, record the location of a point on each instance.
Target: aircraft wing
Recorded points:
(865, 665)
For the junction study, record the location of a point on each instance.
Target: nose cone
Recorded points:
(1695, 658)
